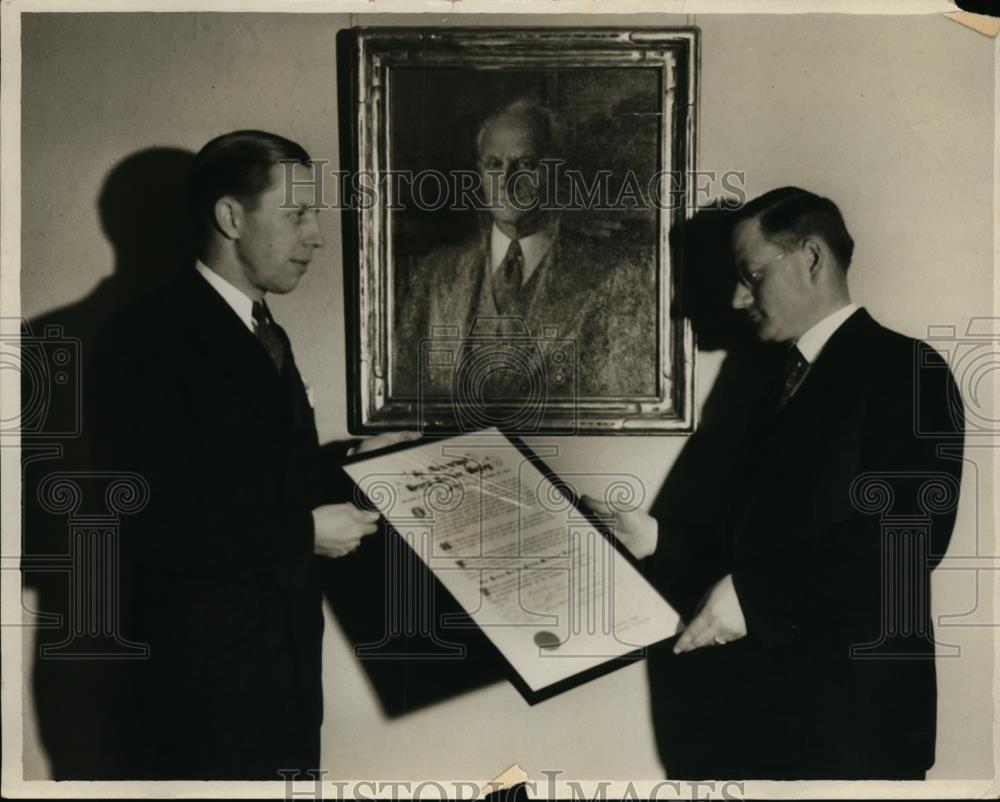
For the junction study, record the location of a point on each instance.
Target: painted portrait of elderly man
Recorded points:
(549, 282)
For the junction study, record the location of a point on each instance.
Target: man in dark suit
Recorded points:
(201, 396)
(808, 650)
(527, 274)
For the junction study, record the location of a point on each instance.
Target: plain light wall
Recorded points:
(891, 117)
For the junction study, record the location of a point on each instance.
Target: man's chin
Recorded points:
(523, 221)
(284, 287)
(509, 216)
(764, 331)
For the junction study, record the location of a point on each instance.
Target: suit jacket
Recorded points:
(599, 299)
(221, 577)
(835, 678)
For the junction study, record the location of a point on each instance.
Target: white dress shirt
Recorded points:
(812, 342)
(533, 248)
(240, 303)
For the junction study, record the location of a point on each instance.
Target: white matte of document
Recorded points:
(548, 589)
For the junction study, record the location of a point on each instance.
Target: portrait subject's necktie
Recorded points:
(507, 280)
(269, 334)
(796, 369)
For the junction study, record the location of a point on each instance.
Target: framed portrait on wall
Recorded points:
(507, 253)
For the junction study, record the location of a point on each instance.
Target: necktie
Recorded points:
(269, 334)
(796, 369)
(507, 281)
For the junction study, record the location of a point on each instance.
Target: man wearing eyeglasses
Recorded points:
(808, 650)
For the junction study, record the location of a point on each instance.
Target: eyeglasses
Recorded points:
(751, 279)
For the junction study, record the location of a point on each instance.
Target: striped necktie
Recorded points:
(269, 333)
(796, 369)
(507, 280)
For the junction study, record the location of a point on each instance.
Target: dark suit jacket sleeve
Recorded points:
(685, 564)
(833, 578)
(333, 485)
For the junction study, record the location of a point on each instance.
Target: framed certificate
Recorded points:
(541, 576)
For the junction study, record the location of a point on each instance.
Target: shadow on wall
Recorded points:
(693, 483)
(696, 488)
(143, 213)
(413, 641)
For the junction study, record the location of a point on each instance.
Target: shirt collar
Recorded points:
(238, 301)
(533, 247)
(811, 343)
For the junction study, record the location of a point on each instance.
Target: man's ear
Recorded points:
(818, 254)
(228, 216)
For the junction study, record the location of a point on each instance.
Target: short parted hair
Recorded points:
(788, 215)
(237, 164)
(543, 120)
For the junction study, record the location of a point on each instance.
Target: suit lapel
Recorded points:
(839, 358)
(544, 291)
(815, 420)
(569, 287)
(226, 347)
(460, 298)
